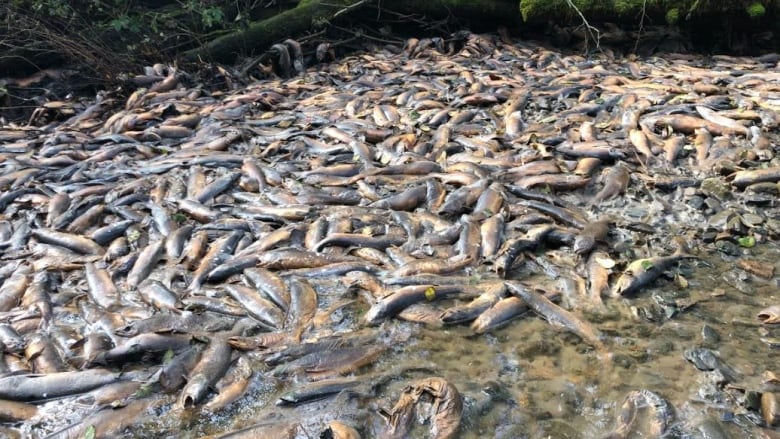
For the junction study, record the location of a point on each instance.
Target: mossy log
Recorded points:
(312, 14)
(264, 33)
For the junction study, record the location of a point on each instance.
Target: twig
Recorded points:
(350, 7)
(641, 26)
(362, 34)
(590, 29)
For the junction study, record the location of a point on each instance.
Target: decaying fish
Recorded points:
(592, 233)
(445, 413)
(770, 315)
(642, 272)
(615, 183)
(172, 243)
(642, 412)
(557, 316)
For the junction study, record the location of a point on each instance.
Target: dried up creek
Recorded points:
(210, 256)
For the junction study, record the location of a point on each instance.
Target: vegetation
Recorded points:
(108, 37)
(533, 10)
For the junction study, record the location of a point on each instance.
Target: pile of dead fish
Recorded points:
(167, 254)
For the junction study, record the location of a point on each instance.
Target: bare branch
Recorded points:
(641, 26)
(588, 28)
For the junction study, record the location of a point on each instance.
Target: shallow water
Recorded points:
(547, 383)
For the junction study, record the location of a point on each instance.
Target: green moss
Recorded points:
(672, 15)
(673, 11)
(756, 10)
(531, 9)
(623, 7)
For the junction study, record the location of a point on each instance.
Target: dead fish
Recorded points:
(143, 266)
(513, 248)
(473, 309)
(360, 240)
(598, 267)
(173, 374)
(615, 183)
(631, 420)
(770, 409)
(75, 243)
(261, 341)
(53, 385)
(433, 266)
(640, 142)
(672, 147)
(15, 411)
(716, 118)
(142, 344)
(498, 314)
(444, 415)
(461, 199)
(12, 290)
(213, 365)
(702, 143)
(742, 179)
(570, 216)
(492, 236)
(332, 361)
(642, 272)
(112, 422)
(232, 387)
(217, 254)
(291, 258)
(158, 295)
(261, 309)
(271, 285)
(43, 355)
(598, 149)
(394, 303)
(10, 340)
(557, 182)
(770, 315)
(593, 232)
(340, 430)
(303, 307)
(557, 316)
(318, 390)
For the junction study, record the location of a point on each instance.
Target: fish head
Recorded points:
(623, 285)
(583, 243)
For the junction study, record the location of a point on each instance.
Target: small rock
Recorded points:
(728, 248)
(751, 219)
(715, 187)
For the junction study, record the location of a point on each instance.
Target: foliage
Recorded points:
(114, 35)
(667, 10)
(756, 10)
(672, 16)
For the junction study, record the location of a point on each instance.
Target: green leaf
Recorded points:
(647, 264)
(747, 241)
(90, 433)
(169, 354)
(134, 235)
(430, 294)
